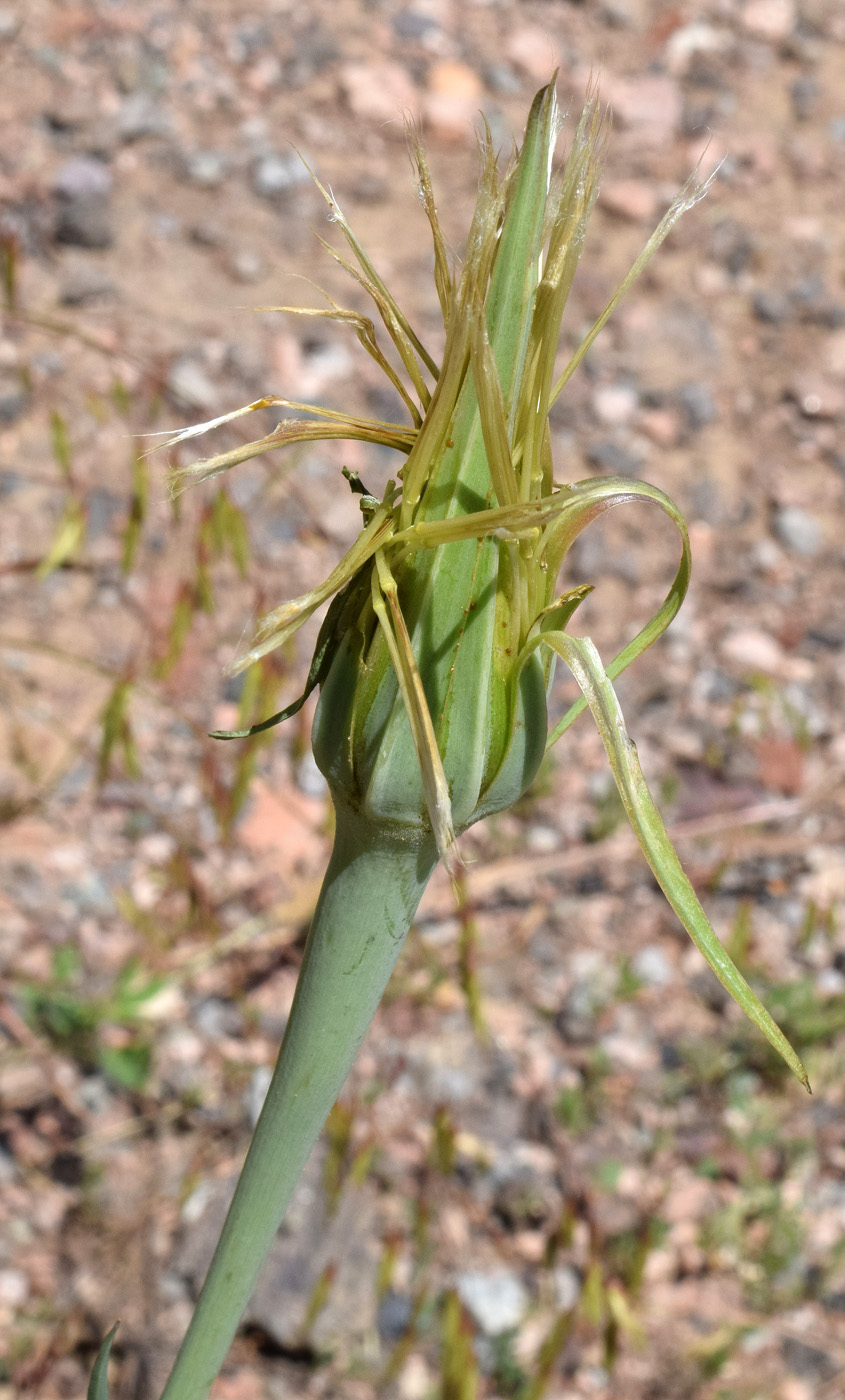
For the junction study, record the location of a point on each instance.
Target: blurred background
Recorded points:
(564, 1164)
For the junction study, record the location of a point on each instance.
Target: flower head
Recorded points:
(435, 655)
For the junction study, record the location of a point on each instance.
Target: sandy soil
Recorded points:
(621, 1167)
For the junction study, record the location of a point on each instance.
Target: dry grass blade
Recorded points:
(366, 333)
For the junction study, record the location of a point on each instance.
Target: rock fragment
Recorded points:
(277, 174)
(633, 200)
(82, 187)
(533, 51)
(191, 387)
(206, 168)
(771, 20)
(85, 283)
(799, 531)
(649, 106)
(497, 1301)
(379, 92)
(13, 397)
(141, 115)
(452, 101)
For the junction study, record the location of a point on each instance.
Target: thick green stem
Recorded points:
(369, 896)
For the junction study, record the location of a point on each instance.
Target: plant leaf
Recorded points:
(280, 624)
(327, 642)
(637, 491)
(137, 512)
(435, 786)
(98, 1386)
(68, 539)
(117, 730)
(396, 324)
(366, 333)
(290, 430)
(692, 192)
(583, 660)
(60, 439)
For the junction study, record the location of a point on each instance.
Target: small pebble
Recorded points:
(542, 839)
(141, 115)
(14, 1288)
(732, 246)
(753, 650)
(771, 20)
(451, 104)
(805, 95)
(83, 218)
(650, 106)
(82, 176)
(567, 1286)
(830, 982)
(608, 456)
(276, 175)
(415, 1381)
(102, 506)
(14, 398)
(245, 265)
(68, 112)
(633, 200)
(88, 895)
(196, 1204)
(207, 168)
(794, 1389)
(218, 1019)
(771, 307)
(501, 77)
(309, 779)
(454, 80)
(818, 397)
(814, 302)
(697, 405)
(315, 48)
(411, 24)
(380, 93)
(497, 1302)
(808, 1362)
(84, 284)
(652, 966)
(166, 225)
(615, 404)
(370, 188)
(689, 41)
(10, 23)
(765, 556)
(798, 530)
(533, 51)
(834, 355)
(207, 235)
(394, 1316)
(191, 387)
(257, 1092)
(661, 425)
(616, 14)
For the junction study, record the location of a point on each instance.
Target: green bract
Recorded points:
(435, 656)
(432, 710)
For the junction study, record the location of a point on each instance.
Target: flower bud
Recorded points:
(436, 654)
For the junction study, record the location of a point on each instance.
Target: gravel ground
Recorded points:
(616, 1192)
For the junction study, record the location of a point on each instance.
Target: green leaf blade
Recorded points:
(98, 1386)
(583, 660)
